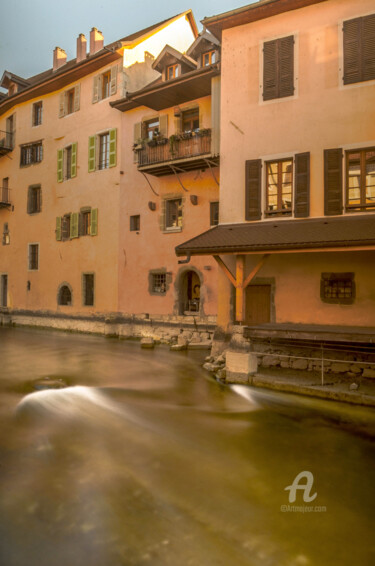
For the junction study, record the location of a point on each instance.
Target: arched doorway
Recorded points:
(189, 292)
(64, 296)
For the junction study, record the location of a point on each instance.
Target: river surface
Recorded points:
(145, 460)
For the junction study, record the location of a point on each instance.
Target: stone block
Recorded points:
(339, 367)
(354, 368)
(147, 342)
(241, 363)
(300, 364)
(369, 373)
(270, 361)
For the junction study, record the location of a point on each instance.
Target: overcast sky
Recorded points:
(31, 29)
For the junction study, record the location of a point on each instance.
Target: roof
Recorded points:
(253, 12)
(283, 235)
(204, 41)
(169, 56)
(9, 77)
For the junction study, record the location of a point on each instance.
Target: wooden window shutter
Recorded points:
(77, 91)
(60, 163)
(332, 182)
(92, 153)
(74, 225)
(95, 89)
(302, 185)
(94, 222)
(113, 87)
(58, 228)
(286, 66)
(163, 124)
(253, 177)
(368, 47)
(112, 147)
(352, 51)
(269, 70)
(62, 105)
(137, 132)
(73, 164)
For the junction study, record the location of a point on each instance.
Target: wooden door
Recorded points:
(258, 304)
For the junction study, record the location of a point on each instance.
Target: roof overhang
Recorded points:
(253, 13)
(329, 234)
(185, 88)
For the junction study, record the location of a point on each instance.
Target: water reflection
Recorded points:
(143, 460)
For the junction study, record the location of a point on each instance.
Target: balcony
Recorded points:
(6, 142)
(4, 197)
(183, 152)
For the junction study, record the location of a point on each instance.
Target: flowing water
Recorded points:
(145, 460)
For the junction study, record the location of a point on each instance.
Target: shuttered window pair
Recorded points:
(279, 187)
(69, 101)
(359, 49)
(77, 224)
(67, 162)
(278, 68)
(105, 85)
(103, 150)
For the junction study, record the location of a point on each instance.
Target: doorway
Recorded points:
(189, 292)
(258, 304)
(4, 291)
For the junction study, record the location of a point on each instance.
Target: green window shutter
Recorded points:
(333, 182)
(58, 228)
(74, 225)
(112, 147)
(253, 176)
(113, 86)
(94, 222)
(302, 185)
(77, 91)
(163, 125)
(73, 165)
(92, 153)
(95, 89)
(60, 161)
(62, 105)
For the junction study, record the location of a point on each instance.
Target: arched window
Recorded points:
(65, 295)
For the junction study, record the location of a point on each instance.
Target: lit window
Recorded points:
(173, 214)
(360, 179)
(208, 58)
(279, 182)
(173, 71)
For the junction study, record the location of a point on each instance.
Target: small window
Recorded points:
(106, 84)
(190, 120)
(85, 223)
(135, 223)
(214, 213)
(337, 288)
(65, 227)
(278, 68)
(173, 214)
(151, 128)
(5, 196)
(104, 151)
(279, 182)
(34, 199)
(359, 61)
(6, 235)
(360, 179)
(33, 257)
(159, 283)
(173, 71)
(69, 101)
(88, 281)
(208, 58)
(64, 296)
(31, 153)
(69, 96)
(37, 113)
(68, 162)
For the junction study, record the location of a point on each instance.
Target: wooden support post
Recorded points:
(240, 303)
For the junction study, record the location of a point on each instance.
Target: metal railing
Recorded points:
(181, 147)
(6, 142)
(4, 195)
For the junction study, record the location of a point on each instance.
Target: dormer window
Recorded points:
(208, 58)
(173, 71)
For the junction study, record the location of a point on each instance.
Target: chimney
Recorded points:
(96, 41)
(59, 58)
(81, 47)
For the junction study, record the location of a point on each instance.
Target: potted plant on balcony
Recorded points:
(138, 145)
(203, 132)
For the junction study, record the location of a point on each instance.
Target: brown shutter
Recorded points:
(368, 51)
(253, 178)
(352, 51)
(332, 181)
(269, 70)
(302, 185)
(286, 66)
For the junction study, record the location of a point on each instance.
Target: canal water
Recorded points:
(145, 460)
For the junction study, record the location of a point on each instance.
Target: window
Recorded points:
(5, 190)
(279, 182)
(85, 223)
(67, 162)
(172, 72)
(190, 120)
(31, 153)
(359, 55)
(65, 227)
(278, 68)
(360, 179)
(64, 296)
(159, 283)
(69, 101)
(10, 131)
(104, 85)
(102, 150)
(4, 290)
(151, 128)
(208, 58)
(337, 288)
(6, 235)
(34, 199)
(88, 282)
(214, 213)
(173, 214)
(33, 256)
(135, 223)
(76, 224)
(37, 113)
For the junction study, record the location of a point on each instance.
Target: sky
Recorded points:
(31, 29)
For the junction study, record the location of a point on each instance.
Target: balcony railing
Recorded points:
(4, 197)
(180, 148)
(6, 142)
